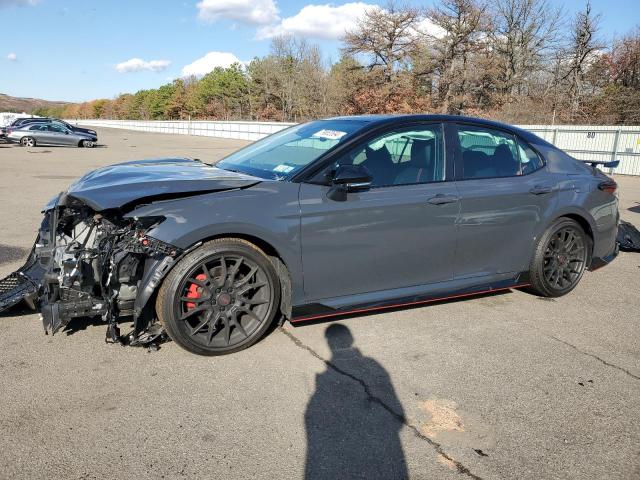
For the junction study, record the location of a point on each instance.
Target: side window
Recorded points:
(35, 127)
(530, 161)
(402, 157)
(488, 153)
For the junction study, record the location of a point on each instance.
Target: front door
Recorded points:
(59, 135)
(505, 190)
(399, 233)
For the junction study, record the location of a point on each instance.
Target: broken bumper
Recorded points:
(85, 265)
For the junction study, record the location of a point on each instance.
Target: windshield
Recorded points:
(284, 153)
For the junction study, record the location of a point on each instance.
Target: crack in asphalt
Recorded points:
(588, 354)
(402, 419)
(593, 355)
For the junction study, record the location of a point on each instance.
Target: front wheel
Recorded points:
(28, 142)
(560, 259)
(220, 298)
(87, 144)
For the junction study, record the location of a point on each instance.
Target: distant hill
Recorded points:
(19, 104)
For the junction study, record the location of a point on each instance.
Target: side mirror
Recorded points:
(349, 178)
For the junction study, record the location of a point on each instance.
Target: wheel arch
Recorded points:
(581, 217)
(144, 307)
(588, 229)
(582, 221)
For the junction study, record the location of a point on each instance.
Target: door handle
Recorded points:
(441, 199)
(541, 189)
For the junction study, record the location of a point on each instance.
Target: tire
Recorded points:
(220, 298)
(560, 259)
(28, 142)
(87, 144)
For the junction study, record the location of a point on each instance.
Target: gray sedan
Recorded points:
(50, 134)
(346, 215)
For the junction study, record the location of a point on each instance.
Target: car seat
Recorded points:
(380, 164)
(420, 168)
(477, 164)
(504, 162)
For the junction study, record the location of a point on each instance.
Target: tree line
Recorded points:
(519, 61)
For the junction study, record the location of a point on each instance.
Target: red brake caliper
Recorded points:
(194, 291)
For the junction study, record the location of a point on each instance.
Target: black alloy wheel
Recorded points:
(561, 259)
(220, 298)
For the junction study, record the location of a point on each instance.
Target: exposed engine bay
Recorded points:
(89, 264)
(93, 257)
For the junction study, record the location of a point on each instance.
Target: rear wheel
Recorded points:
(220, 298)
(560, 259)
(28, 142)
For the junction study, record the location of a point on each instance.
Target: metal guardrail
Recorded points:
(584, 142)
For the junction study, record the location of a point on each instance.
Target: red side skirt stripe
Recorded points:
(407, 304)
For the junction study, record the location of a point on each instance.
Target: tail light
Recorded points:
(609, 187)
(9, 130)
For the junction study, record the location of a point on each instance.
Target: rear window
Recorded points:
(529, 159)
(491, 153)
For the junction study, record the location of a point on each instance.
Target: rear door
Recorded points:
(505, 190)
(40, 132)
(399, 233)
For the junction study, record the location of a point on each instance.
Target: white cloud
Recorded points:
(426, 26)
(137, 65)
(255, 12)
(319, 21)
(12, 57)
(17, 3)
(207, 63)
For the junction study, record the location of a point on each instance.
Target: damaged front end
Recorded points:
(92, 264)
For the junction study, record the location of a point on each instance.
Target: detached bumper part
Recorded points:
(16, 287)
(23, 284)
(628, 237)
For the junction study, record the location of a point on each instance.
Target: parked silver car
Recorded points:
(53, 133)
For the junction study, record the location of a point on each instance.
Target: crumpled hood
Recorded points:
(118, 185)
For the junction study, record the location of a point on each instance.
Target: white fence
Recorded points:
(596, 143)
(236, 130)
(582, 142)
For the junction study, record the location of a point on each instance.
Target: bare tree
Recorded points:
(625, 61)
(525, 33)
(465, 24)
(584, 44)
(386, 37)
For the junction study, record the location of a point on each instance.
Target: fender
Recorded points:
(188, 223)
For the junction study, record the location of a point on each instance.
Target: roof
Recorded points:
(374, 120)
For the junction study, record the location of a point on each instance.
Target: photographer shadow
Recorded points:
(350, 434)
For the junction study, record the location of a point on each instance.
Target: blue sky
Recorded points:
(78, 50)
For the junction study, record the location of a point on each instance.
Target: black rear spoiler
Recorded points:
(610, 164)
